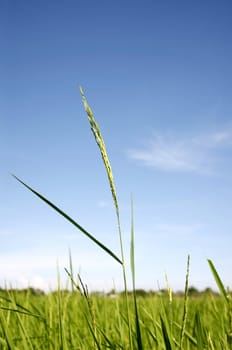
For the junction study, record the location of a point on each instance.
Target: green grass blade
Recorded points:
(71, 270)
(107, 250)
(74, 284)
(7, 334)
(198, 331)
(109, 344)
(167, 340)
(20, 308)
(184, 319)
(190, 338)
(166, 325)
(93, 334)
(132, 247)
(132, 260)
(20, 312)
(218, 281)
(62, 343)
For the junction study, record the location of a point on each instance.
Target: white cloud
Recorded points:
(215, 139)
(36, 281)
(40, 271)
(183, 154)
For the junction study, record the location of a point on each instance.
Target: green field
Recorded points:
(76, 319)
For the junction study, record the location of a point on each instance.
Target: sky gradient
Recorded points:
(158, 77)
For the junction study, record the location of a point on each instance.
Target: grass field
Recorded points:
(73, 320)
(76, 319)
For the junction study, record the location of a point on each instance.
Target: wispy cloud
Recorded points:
(40, 271)
(183, 154)
(215, 139)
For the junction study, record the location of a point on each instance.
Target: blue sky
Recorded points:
(158, 77)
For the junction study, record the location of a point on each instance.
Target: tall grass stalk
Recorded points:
(62, 344)
(132, 258)
(101, 144)
(185, 312)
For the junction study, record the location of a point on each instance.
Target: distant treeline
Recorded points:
(192, 292)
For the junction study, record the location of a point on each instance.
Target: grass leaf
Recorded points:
(107, 250)
(218, 281)
(184, 319)
(132, 257)
(165, 332)
(198, 331)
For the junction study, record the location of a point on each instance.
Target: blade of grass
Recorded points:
(166, 326)
(23, 331)
(227, 297)
(198, 331)
(20, 312)
(71, 270)
(74, 284)
(109, 344)
(184, 319)
(93, 334)
(166, 337)
(23, 310)
(7, 334)
(107, 250)
(190, 338)
(60, 316)
(132, 258)
(218, 281)
(132, 247)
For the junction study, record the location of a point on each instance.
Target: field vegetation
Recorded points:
(77, 319)
(65, 319)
